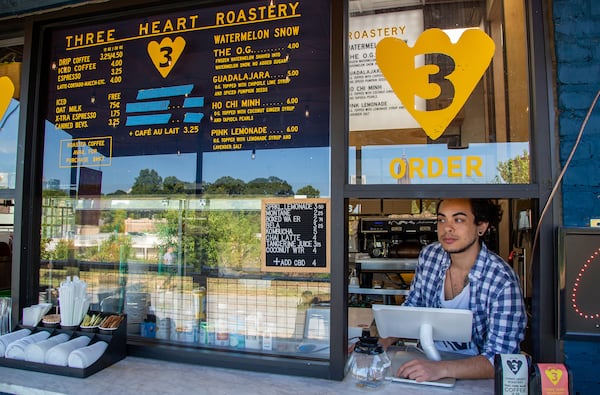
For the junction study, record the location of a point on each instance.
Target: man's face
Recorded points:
(456, 228)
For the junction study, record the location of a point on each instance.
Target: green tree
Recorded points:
(309, 191)
(48, 193)
(113, 221)
(272, 186)
(60, 252)
(514, 170)
(168, 228)
(226, 186)
(172, 185)
(231, 239)
(114, 249)
(118, 192)
(148, 182)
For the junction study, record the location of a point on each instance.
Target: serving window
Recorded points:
(438, 93)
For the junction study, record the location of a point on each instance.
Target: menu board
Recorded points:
(251, 75)
(295, 235)
(373, 105)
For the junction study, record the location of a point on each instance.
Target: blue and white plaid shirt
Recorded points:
(499, 316)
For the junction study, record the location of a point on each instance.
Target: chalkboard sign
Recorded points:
(240, 76)
(295, 235)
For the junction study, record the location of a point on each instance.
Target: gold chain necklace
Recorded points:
(465, 283)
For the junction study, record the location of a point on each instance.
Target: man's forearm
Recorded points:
(477, 367)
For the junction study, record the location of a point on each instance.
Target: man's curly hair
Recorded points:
(484, 210)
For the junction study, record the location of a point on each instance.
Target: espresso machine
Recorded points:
(393, 244)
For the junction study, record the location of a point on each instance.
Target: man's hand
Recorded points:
(423, 370)
(477, 367)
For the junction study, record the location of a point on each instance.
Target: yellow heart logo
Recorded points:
(467, 59)
(7, 90)
(165, 54)
(554, 375)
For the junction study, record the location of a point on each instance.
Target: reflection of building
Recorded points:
(3, 180)
(52, 183)
(57, 218)
(142, 225)
(405, 179)
(144, 246)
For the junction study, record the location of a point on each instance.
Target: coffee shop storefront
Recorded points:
(243, 180)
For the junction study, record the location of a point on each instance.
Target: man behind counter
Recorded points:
(460, 272)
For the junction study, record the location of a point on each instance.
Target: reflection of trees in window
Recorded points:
(514, 170)
(113, 221)
(309, 191)
(211, 239)
(58, 252)
(148, 182)
(226, 186)
(205, 239)
(172, 185)
(167, 226)
(116, 249)
(233, 235)
(49, 193)
(269, 186)
(118, 192)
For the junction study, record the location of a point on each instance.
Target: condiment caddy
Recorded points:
(116, 338)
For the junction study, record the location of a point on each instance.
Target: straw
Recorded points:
(73, 301)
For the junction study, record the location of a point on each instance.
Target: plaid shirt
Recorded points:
(499, 317)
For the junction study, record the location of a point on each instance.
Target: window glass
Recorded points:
(438, 93)
(385, 237)
(165, 136)
(11, 57)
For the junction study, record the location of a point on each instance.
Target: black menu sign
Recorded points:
(295, 235)
(250, 75)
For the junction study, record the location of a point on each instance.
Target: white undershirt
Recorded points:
(460, 301)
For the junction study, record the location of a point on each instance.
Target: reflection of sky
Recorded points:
(376, 161)
(9, 128)
(299, 166)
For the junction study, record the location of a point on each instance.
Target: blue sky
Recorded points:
(8, 143)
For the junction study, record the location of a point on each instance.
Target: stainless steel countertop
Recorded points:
(391, 264)
(377, 291)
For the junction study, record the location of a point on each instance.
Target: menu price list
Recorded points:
(85, 71)
(255, 68)
(243, 76)
(295, 235)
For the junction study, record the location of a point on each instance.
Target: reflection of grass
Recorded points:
(56, 276)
